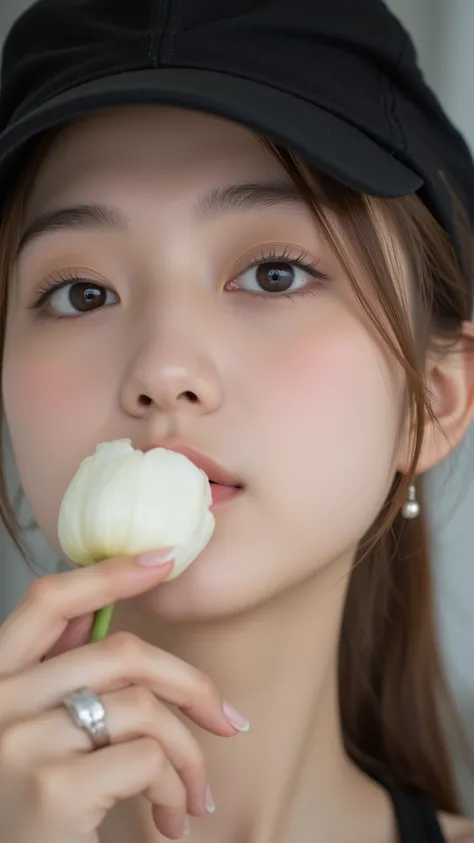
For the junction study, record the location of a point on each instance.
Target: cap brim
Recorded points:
(330, 143)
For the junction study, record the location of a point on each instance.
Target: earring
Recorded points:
(411, 507)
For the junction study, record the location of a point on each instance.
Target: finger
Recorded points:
(98, 780)
(113, 663)
(77, 633)
(131, 713)
(53, 600)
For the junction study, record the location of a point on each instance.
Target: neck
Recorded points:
(289, 776)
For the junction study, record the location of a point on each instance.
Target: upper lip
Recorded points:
(215, 472)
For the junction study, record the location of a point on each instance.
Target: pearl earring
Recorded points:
(411, 507)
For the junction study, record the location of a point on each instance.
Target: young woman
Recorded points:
(242, 231)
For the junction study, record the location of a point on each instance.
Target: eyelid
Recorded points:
(284, 256)
(278, 251)
(63, 279)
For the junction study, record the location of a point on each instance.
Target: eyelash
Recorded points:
(286, 257)
(63, 279)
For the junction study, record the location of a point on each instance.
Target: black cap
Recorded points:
(336, 82)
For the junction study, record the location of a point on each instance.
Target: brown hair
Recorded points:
(390, 673)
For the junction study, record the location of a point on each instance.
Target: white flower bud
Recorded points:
(123, 501)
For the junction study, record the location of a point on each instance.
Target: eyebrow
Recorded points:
(249, 196)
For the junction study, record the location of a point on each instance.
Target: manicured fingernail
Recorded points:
(157, 557)
(235, 718)
(186, 827)
(209, 801)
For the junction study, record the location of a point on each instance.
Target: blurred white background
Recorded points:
(443, 31)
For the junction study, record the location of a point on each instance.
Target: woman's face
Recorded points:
(184, 320)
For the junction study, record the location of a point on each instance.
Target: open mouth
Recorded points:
(221, 493)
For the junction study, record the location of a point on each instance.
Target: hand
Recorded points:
(53, 786)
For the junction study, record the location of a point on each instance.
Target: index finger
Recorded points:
(53, 600)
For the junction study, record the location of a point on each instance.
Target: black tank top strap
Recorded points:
(416, 817)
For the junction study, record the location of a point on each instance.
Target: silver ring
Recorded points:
(87, 712)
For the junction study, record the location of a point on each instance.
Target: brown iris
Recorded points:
(275, 277)
(84, 297)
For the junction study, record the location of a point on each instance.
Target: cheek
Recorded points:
(49, 389)
(332, 409)
(48, 399)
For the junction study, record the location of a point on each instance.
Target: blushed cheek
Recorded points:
(334, 403)
(43, 394)
(48, 405)
(332, 373)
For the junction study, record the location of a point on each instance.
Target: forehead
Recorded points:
(170, 149)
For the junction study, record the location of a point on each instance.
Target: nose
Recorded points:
(173, 374)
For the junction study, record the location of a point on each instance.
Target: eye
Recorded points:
(68, 298)
(275, 275)
(80, 297)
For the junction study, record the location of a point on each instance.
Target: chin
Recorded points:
(215, 586)
(202, 592)
(228, 580)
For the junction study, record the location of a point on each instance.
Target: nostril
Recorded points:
(145, 400)
(189, 396)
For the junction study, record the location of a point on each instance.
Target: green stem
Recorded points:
(102, 620)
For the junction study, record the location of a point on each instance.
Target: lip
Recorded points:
(216, 473)
(222, 494)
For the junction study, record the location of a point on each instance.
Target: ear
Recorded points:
(450, 383)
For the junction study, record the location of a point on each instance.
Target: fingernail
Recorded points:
(209, 801)
(157, 557)
(235, 718)
(186, 827)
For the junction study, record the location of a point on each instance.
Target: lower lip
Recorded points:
(220, 494)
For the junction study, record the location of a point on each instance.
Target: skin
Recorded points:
(297, 398)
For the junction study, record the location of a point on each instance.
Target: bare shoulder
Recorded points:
(457, 829)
